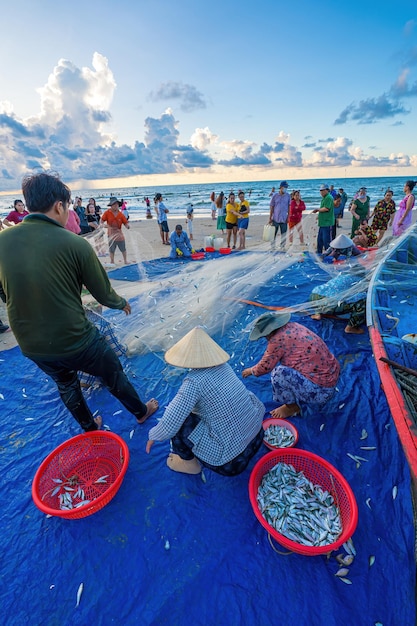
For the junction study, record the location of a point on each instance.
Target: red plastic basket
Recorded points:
(275, 421)
(197, 256)
(320, 472)
(79, 463)
(225, 250)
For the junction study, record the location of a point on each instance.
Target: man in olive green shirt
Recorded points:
(42, 290)
(326, 219)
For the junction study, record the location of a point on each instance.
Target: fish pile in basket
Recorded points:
(279, 436)
(69, 492)
(298, 509)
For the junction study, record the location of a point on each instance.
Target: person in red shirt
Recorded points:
(115, 219)
(297, 207)
(17, 215)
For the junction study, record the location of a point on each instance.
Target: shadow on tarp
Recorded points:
(220, 567)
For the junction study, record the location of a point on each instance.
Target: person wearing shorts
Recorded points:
(115, 220)
(243, 220)
(232, 213)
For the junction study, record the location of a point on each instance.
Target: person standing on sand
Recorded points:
(213, 205)
(297, 206)
(403, 217)
(221, 212)
(343, 195)
(243, 220)
(360, 210)
(44, 302)
(278, 214)
(115, 220)
(325, 219)
(232, 213)
(161, 212)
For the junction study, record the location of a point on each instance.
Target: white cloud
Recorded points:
(70, 135)
(202, 138)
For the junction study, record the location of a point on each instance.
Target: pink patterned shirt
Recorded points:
(297, 347)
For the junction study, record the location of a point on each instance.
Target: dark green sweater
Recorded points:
(43, 267)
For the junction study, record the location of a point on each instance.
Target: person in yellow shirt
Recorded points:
(243, 220)
(232, 214)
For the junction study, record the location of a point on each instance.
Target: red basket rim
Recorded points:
(277, 421)
(95, 505)
(347, 531)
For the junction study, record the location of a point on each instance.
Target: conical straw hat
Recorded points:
(341, 242)
(196, 350)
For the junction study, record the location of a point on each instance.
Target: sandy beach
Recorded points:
(143, 243)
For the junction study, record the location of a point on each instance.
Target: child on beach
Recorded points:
(161, 212)
(115, 220)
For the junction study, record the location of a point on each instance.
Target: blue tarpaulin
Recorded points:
(220, 567)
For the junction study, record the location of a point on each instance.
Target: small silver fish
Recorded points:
(29, 419)
(364, 434)
(371, 560)
(102, 479)
(341, 405)
(203, 477)
(368, 502)
(345, 580)
(394, 492)
(132, 432)
(117, 412)
(342, 572)
(79, 593)
(321, 427)
(368, 448)
(1, 396)
(167, 545)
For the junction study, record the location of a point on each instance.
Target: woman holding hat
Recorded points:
(213, 420)
(303, 370)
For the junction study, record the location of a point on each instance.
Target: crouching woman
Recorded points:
(213, 420)
(303, 370)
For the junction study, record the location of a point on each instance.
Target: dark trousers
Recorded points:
(280, 226)
(100, 360)
(182, 446)
(323, 238)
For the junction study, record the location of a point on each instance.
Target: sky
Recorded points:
(148, 92)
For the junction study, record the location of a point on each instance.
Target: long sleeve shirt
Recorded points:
(182, 241)
(230, 415)
(297, 347)
(43, 267)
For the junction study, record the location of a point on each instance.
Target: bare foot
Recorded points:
(286, 410)
(316, 316)
(152, 406)
(354, 330)
(177, 464)
(99, 421)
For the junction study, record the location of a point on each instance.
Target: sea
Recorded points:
(178, 198)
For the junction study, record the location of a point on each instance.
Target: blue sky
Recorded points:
(156, 91)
